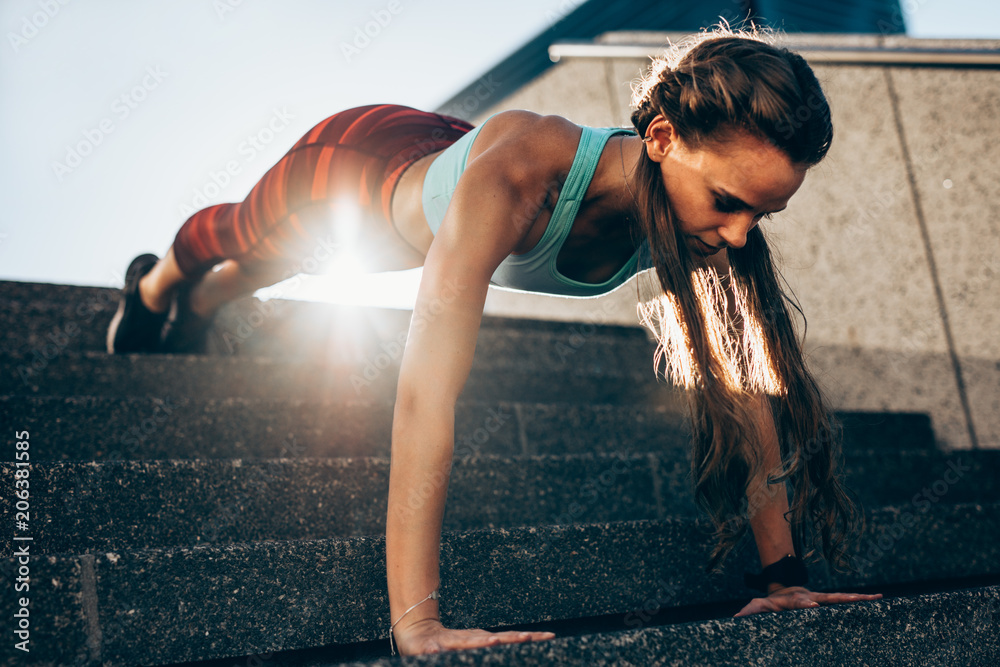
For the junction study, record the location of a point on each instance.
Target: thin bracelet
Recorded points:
(433, 595)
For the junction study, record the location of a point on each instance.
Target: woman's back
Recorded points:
(573, 235)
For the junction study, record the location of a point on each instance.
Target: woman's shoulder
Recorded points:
(534, 141)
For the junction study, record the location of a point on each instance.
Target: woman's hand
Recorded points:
(797, 597)
(430, 636)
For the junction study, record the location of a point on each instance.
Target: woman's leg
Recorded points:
(334, 184)
(211, 291)
(157, 286)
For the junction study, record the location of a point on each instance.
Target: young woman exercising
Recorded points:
(726, 127)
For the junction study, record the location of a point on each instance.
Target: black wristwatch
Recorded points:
(789, 571)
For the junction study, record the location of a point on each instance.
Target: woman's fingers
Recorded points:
(758, 605)
(834, 598)
(802, 600)
(513, 636)
(480, 638)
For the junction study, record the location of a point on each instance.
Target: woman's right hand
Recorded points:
(430, 636)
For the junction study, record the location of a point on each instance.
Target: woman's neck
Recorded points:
(613, 186)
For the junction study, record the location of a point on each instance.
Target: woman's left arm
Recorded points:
(768, 504)
(773, 533)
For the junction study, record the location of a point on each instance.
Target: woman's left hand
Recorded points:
(797, 597)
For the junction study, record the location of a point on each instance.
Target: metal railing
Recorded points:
(819, 55)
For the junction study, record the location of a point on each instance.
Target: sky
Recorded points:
(118, 119)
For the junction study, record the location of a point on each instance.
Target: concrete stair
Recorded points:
(231, 507)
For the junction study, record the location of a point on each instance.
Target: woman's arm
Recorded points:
(478, 232)
(773, 533)
(768, 504)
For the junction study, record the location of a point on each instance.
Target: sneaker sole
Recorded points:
(120, 313)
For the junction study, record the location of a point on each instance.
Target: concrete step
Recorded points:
(961, 630)
(46, 320)
(173, 427)
(514, 378)
(170, 605)
(187, 503)
(101, 428)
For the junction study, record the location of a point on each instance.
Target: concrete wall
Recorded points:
(891, 245)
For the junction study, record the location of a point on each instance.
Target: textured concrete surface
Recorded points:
(856, 378)
(98, 374)
(901, 41)
(957, 185)
(52, 319)
(181, 503)
(90, 507)
(957, 628)
(111, 428)
(618, 306)
(171, 605)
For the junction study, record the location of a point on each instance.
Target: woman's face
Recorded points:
(720, 191)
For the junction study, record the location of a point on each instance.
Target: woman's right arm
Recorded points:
(479, 230)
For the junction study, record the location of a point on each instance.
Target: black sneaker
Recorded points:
(184, 332)
(134, 327)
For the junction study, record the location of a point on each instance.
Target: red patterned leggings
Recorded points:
(357, 154)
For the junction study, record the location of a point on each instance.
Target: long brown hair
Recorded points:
(708, 87)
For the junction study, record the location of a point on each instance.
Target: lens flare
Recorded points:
(738, 344)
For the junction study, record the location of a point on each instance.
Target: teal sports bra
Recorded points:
(535, 270)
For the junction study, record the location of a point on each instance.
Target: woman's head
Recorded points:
(719, 192)
(729, 109)
(721, 82)
(730, 126)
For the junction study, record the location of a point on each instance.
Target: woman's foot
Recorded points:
(185, 330)
(135, 327)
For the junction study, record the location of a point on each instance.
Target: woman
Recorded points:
(726, 127)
